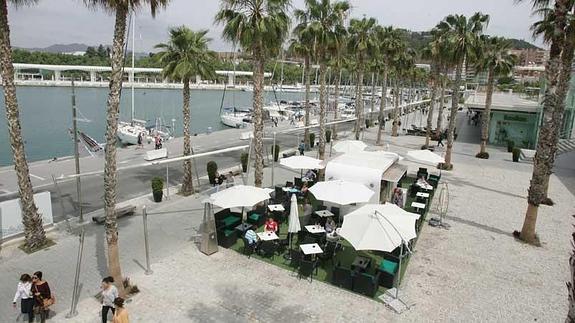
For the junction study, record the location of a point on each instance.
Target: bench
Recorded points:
(289, 153)
(526, 154)
(156, 154)
(120, 213)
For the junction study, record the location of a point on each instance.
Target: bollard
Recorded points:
(73, 311)
(146, 244)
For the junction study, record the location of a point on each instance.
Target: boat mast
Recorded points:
(133, 59)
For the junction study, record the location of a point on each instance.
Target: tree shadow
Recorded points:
(236, 304)
(479, 225)
(455, 181)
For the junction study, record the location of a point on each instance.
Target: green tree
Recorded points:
(361, 43)
(461, 35)
(557, 30)
(120, 8)
(184, 56)
(493, 56)
(260, 27)
(402, 64)
(326, 22)
(388, 41)
(34, 234)
(302, 45)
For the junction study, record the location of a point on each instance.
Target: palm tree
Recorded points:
(402, 63)
(560, 55)
(388, 43)
(302, 45)
(183, 57)
(325, 22)
(493, 56)
(34, 234)
(259, 27)
(121, 8)
(432, 52)
(461, 34)
(338, 50)
(361, 43)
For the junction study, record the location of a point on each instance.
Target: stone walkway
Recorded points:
(475, 271)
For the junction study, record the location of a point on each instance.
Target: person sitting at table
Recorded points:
(421, 182)
(251, 236)
(271, 225)
(329, 225)
(309, 176)
(398, 197)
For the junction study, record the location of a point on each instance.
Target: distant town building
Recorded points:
(530, 65)
(76, 53)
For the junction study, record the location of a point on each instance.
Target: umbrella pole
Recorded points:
(399, 270)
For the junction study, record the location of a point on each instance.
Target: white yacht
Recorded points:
(236, 117)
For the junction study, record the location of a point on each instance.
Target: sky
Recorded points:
(69, 21)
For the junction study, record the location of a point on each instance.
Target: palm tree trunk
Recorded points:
(33, 227)
(188, 181)
(307, 73)
(336, 101)
(453, 116)
(487, 112)
(571, 284)
(372, 106)
(258, 116)
(359, 100)
(431, 107)
(381, 117)
(440, 111)
(547, 142)
(396, 112)
(110, 167)
(322, 114)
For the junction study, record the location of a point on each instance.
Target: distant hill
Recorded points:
(60, 48)
(522, 44)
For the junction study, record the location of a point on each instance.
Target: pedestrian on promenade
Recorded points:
(109, 294)
(121, 314)
(24, 293)
(440, 140)
(140, 140)
(301, 148)
(43, 297)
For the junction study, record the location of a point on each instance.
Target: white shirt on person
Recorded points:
(23, 291)
(109, 295)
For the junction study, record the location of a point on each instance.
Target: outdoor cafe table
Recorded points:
(360, 263)
(290, 189)
(276, 207)
(310, 249)
(422, 194)
(424, 186)
(267, 236)
(242, 228)
(324, 213)
(418, 205)
(314, 229)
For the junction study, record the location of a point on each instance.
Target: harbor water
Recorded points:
(46, 114)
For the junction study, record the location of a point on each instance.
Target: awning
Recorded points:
(394, 173)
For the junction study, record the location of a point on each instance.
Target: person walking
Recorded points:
(301, 148)
(440, 140)
(121, 314)
(109, 294)
(24, 293)
(42, 296)
(140, 140)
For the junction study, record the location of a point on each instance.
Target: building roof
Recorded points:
(502, 102)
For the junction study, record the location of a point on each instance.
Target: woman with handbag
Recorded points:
(109, 294)
(24, 293)
(42, 296)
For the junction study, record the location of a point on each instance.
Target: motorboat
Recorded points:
(128, 132)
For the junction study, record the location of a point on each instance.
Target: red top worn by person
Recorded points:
(271, 225)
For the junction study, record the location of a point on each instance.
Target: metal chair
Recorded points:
(306, 269)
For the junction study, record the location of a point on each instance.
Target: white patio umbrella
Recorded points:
(302, 162)
(381, 227)
(240, 196)
(425, 157)
(341, 192)
(349, 146)
(293, 226)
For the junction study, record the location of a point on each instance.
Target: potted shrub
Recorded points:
(212, 169)
(328, 136)
(510, 146)
(276, 152)
(157, 189)
(244, 161)
(367, 123)
(311, 139)
(516, 152)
